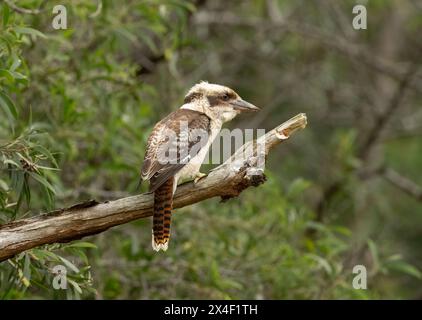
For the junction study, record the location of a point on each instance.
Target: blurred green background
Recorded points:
(77, 105)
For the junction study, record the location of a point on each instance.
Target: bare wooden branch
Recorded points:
(18, 9)
(382, 120)
(403, 183)
(226, 181)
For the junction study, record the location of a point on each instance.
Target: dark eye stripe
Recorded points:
(193, 96)
(213, 100)
(231, 95)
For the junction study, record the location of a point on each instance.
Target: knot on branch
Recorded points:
(249, 176)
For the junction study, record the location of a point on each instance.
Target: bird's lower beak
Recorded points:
(245, 106)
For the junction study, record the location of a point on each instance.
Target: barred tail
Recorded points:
(163, 204)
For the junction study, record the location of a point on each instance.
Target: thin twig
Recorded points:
(382, 120)
(404, 184)
(14, 7)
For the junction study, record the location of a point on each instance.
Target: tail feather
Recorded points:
(163, 205)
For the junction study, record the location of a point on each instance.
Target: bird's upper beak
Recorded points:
(244, 106)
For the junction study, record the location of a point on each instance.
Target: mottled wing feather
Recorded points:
(150, 165)
(159, 172)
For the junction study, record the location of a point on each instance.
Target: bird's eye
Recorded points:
(226, 97)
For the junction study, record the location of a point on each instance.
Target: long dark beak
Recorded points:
(244, 106)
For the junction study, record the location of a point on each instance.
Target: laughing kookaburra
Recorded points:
(178, 145)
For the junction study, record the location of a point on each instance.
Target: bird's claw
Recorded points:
(198, 177)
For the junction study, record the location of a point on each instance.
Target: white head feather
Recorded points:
(197, 99)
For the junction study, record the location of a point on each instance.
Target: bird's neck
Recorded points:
(217, 116)
(199, 106)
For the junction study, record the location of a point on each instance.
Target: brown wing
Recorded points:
(172, 143)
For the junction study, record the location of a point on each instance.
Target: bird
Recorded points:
(178, 144)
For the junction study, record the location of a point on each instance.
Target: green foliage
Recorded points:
(34, 270)
(76, 107)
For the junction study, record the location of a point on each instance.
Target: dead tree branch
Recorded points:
(382, 120)
(403, 183)
(226, 181)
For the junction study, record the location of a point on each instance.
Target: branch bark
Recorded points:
(228, 180)
(403, 183)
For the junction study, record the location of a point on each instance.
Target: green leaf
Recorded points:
(42, 150)
(29, 31)
(43, 181)
(3, 185)
(12, 163)
(404, 267)
(215, 274)
(26, 192)
(81, 254)
(44, 254)
(7, 74)
(322, 262)
(8, 106)
(75, 285)
(127, 34)
(69, 264)
(23, 279)
(149, 42)
(5, 44)
(27, 268)
(82, 244)
(342, 230)
(6, 14)
(18, 76)
(16, 63)
(297, 187)
(374, 253)
(183, 4)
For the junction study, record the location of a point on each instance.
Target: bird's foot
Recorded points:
(198, 177)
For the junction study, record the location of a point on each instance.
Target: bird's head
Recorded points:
(217, 102)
